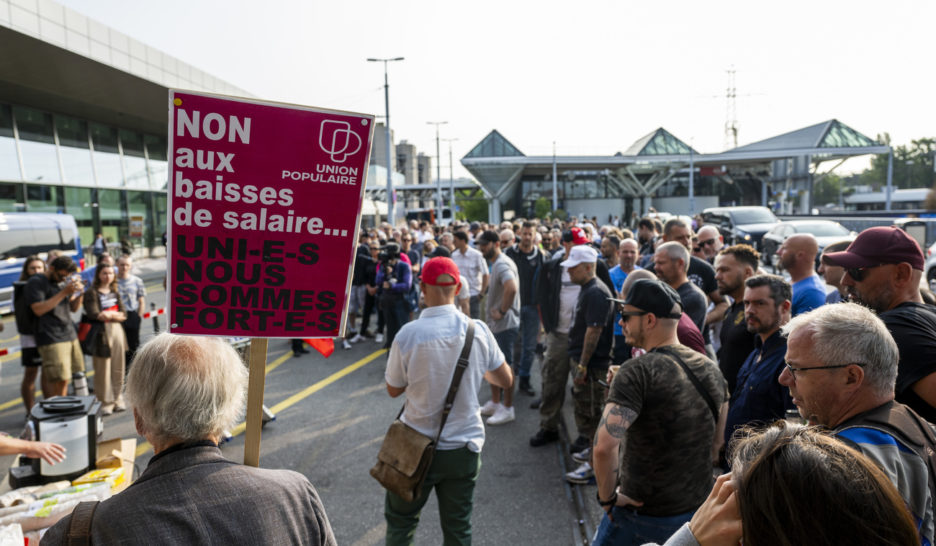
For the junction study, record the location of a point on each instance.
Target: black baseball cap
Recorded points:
(654, 296)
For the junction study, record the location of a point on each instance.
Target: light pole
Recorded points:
(451, 179)
(438, 169)
(389, 159)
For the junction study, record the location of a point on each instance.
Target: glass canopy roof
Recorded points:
(494, 145)
(659, 142)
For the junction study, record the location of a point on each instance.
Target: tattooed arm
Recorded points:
(592, 336)
(612, 430)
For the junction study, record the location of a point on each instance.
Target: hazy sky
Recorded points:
(593, 78)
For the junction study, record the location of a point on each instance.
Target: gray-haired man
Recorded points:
(185, 391)
(841, 366)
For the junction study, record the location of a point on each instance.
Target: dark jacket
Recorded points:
(549, 284)
(99, 347)
(196, 496)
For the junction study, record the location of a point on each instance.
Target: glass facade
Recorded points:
(37, 145)
(99, 174)
(9, 161)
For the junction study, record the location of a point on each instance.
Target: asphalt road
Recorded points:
(331, 415)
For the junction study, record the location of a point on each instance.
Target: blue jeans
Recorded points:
(505, 340)
(629, 527)
(529, 328)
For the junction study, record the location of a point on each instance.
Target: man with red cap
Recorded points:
(883, 267)
(421, 363)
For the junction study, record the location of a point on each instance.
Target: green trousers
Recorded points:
(453, 475)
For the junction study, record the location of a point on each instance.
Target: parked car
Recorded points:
(26, 233)
(741, 224)
(825, 231)
(930, 266)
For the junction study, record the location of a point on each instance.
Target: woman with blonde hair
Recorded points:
(102, 303)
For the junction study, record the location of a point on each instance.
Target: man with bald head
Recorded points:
(710, 241)
(798, 256)
(627, 262)
(671, 265)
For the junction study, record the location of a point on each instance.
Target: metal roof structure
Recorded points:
(656, 157)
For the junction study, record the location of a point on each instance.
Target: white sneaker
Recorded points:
(582, 475)
(345, 344)
(489, 408)
(357, 338)
(501, 416)
(378, 338)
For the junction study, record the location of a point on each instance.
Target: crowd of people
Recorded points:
(686, 361)
(680, 350)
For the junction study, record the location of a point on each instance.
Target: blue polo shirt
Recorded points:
(758, 397)
(808, 294)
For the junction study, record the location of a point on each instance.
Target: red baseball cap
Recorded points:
(578, 236)
(437, 267)
(877, 246)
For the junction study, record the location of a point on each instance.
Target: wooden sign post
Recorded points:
(258, 351)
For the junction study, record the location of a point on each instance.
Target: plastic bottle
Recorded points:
(80, 382)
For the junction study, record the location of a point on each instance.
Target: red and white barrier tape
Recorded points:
(152, 314)
(9, 350)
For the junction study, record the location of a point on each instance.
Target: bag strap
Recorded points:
(79, 528)
(456, 378)
(460, 367)
(695, 381)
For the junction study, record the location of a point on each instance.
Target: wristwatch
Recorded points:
(581, 370)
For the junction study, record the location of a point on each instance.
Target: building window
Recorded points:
(44, 198)
(75, 150)
(11, 198)
(9, 161)
(134, 160)
(156, 152)
(106, 156)
(80, 203)
(37, 144)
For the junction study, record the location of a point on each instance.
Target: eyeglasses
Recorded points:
(407, 240)
(707, 242)
(794, 370)
(858, 273)
(628, 314)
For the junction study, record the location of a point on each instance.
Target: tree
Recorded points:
(827, 189)
(472, 210)
(542, 208)
(913, 165)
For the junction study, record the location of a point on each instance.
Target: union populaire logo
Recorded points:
(338, 140)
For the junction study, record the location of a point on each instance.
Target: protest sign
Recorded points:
(265, 204)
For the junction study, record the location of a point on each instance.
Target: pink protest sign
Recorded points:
(265, 204)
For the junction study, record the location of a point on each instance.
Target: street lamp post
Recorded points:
(389, 159)
(451, 179)
(439, 203)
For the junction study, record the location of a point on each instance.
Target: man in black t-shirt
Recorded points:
(671, 262)
(529, 260)
(590, 340)
(700, 273)
(53, 297)
(883, 268)
(733, 266)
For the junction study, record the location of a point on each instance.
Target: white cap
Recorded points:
(581, 254)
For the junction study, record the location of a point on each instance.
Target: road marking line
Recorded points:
(294, 399)
(12, 403)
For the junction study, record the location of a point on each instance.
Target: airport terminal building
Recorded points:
(83, 120)
(662, 171)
